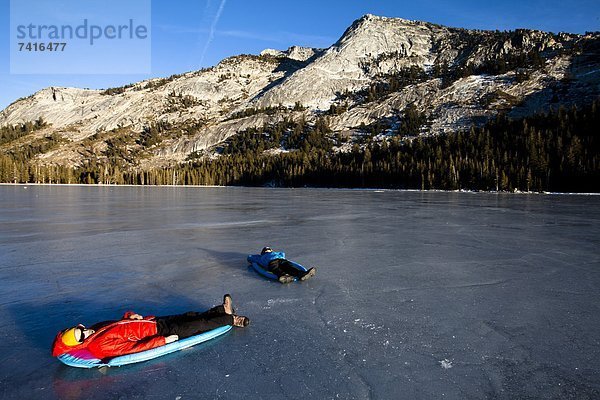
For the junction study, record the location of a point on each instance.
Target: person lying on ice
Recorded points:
(275, 262)
(134, 333)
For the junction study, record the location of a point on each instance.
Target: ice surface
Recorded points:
(418, 295)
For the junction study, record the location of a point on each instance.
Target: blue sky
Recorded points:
(191, 34)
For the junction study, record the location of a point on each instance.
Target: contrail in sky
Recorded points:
(211, 32)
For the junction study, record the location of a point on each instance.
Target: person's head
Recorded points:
(76, 335)
(266, 250)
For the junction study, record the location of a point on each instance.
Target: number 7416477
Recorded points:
(35, 46)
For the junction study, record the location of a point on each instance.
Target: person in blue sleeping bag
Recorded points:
(275, 262)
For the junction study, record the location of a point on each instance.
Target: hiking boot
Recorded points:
(228, 304)
(309, 274)
(240, 321)
(286, 278)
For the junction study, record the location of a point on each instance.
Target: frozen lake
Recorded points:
(418, 295)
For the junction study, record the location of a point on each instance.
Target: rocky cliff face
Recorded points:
(378, 67)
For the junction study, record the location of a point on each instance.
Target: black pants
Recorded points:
(193, 323)
(282, 267)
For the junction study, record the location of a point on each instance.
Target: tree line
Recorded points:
(9, 133)
(554, 151)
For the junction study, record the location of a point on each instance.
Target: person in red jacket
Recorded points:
(134, 333)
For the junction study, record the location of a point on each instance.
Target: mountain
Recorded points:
(384, 77)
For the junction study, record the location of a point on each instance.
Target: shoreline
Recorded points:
(516, 192)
